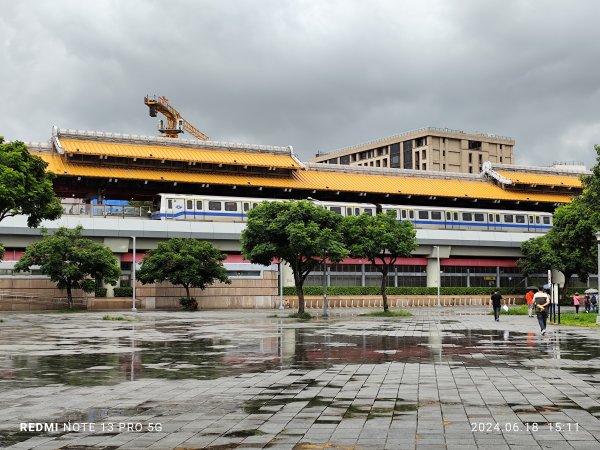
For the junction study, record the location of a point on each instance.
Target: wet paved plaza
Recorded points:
(241, 379)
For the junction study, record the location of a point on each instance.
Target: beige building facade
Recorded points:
(437, 149)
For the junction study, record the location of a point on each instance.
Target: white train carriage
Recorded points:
(235, 209)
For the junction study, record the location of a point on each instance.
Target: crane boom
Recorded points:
(175, 123)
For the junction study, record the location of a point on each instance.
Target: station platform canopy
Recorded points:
(118, 163)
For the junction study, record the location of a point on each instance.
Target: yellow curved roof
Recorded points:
(159, 152)
(542, 179)
(312, 179)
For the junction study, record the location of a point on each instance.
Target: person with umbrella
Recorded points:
(594, 299)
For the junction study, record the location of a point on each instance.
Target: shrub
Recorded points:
(301, 316)
(126, 291)
(100, 292)
(189, 304)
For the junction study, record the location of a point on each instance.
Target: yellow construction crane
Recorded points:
(175, 123)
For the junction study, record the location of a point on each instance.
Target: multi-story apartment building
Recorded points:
(438, 149)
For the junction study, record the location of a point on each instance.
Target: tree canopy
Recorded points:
(299, 232)
(185, 262)
(570, 246)
(71, 260)
(25, 186)
(381, 239)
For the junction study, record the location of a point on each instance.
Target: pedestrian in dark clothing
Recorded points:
(587, 303)
(541, 302)
(496, 304)
(594, 301)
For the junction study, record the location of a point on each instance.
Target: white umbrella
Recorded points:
(591, 291)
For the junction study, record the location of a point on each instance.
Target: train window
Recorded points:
(520, 219)
(170, 204)
(537, 219)
(189, 204)
(348, 211)
(198, 204)
(479, 217)
(530, 219)
(230, 206)
(357, 211)
(498, 218)
(490, 217)
(214, 206)
(423, 214)
(448, 216)
(468, 217)
(546, 220)
(246, 206)
(508, 218)
(368, 211)
(403, 214)
(336, 209)
(436, 215)
(411, 214)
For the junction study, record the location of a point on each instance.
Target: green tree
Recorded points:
(71, 261)
(299, 232)
(185, 262)
(570, 246)
(381, 239)
(25, 186)
(1, 252)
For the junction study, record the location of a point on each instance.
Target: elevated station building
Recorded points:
(460, 217)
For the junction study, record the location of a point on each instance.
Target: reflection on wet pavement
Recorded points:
(50, 349)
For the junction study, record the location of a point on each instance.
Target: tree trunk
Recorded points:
(187, 291)
(69, 296)
(384, 274)
(300, 294)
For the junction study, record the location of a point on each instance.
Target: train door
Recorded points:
(174, 209)
(535, 223)
(199, 209)
(494, 221)
(452, 221)
(407, 214)
(189, 209)
(246, 207)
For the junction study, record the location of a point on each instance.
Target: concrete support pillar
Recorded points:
(433, 276)
(362, 275)
(497, 276)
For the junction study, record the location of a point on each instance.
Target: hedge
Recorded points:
(126, 291)
(375, 290)
(100, 292)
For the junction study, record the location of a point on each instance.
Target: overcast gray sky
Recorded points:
(317, 75)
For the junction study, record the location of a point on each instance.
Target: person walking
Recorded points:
(576, 302)
(541, 301)
(529, 298)
(496, 304)
(587, 303)
(594, 302)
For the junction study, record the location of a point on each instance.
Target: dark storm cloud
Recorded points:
(318, 75)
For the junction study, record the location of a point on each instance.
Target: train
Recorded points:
(209, 208)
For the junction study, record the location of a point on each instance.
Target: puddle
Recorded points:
(75, 352)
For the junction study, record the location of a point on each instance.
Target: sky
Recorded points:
(317, 75)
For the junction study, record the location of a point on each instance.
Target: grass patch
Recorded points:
(389, 313)
(302, 316)
(579, 320)
(122, 318)
(520, 310)
(273, 316)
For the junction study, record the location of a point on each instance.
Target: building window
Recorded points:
(378, 163)
(501, 159)
(443, 166)
(423, 154)
(395, 155)
(443, 153)
(474, 145)
(500, 146)
(421, 142)
(345, 159)
(443, 140)
(333, 161)
(480, 158)
(424, 166)
(408, 154)
(470, 158)
(470, 169)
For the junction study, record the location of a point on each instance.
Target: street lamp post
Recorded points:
(281, 285)
(598, 275)
(325, 305)
(437, 247)
(133, 264)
